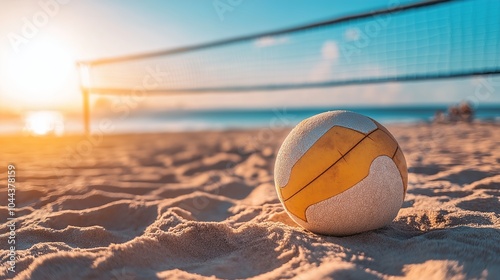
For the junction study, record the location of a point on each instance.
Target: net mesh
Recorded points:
(450, 39)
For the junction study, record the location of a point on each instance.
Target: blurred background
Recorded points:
(51, 50)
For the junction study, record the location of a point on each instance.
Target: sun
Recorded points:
(40, 123)
(38, 71)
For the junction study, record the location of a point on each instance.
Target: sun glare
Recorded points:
(44, 123)
(38, 71)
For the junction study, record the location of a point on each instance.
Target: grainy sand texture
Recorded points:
(203, 205)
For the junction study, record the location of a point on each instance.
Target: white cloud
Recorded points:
(352, 34)
(322, 71)
(330, 50)
(269, 41)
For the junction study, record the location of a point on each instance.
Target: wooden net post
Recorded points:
(85, 89)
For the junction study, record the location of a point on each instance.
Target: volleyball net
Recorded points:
(427, 40)
(419, 41)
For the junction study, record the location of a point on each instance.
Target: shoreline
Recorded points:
(492, 122)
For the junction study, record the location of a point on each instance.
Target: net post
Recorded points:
(86, 111)
(83, 70)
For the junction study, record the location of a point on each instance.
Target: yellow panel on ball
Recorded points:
(327, 150)
(341, 158)
(400, 161)
(353, 167)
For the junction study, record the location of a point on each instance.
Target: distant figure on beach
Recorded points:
(462, 112)
(466, 112)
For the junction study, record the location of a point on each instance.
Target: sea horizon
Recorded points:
(191, 119)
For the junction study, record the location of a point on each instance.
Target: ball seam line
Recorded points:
(343, 155)
(393, 155)
(282, 187)
(342, 119)
(405, 186)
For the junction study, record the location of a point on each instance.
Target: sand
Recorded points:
(203, 205)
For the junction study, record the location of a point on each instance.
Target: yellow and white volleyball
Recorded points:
(341, 173)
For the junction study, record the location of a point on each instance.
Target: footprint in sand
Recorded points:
(124, 215)
(490, 204)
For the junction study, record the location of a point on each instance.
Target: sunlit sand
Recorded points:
(194, 205)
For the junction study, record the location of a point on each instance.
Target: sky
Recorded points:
(41, 40)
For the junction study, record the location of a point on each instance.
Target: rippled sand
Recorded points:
(197, 205)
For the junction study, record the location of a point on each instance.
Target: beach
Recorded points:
(196, 205)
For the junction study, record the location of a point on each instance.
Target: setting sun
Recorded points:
(44, 123)
(38, 71)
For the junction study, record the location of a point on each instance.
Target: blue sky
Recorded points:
(96, 28)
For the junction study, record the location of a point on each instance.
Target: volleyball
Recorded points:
(341, 173)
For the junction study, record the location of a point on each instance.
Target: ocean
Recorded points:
(196, 120)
